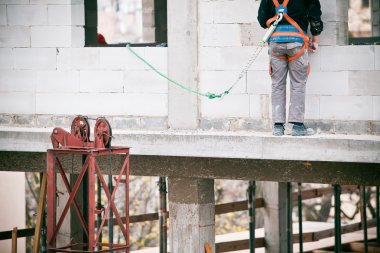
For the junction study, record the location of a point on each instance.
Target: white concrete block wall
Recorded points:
(27, 15)
(34, 58)
(3, 15)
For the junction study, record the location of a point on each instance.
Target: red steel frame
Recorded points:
(92, 167)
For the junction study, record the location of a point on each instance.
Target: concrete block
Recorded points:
(158, 57)
(66, 14)
(346, 107)
(154, 123)
(144, 81)
(240, 11)
(102, 104)
(6, 59)
(50, 121)
(78, 58)
(321, 126)
(51, 36)
(312, 107)
(35, 58)
(377, 57)
(17, 102)
(77, 36)
(376, 108)
(206, 12)
(14, 1)
(17, 81)
(315, 61)
(101, 81)
(215, 35)
(348, 58)
(59, 14)
(14, 36)
(5, 119)
(375, 127)
(27, 15)
(221, 124)
(231, 58)
(3, 15)
(328, 83)
(126, 123)
(234, 105)
(261, 125)
(251, 34)
(259, 82)
(329, 35)
(259, 106)
(55, 81)
(364, 83)
(24, 120)
(220, 81)
(121, 58)
(352, 127)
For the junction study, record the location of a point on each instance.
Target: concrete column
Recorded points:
(192, 214)
(183, 62)
(335, 19)
(275, 217)
(375, 17)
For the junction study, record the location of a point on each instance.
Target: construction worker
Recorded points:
(288, 51)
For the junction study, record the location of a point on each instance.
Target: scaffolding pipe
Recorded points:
(289, 223)
(162, 215)
(251, 192)
(337, 227)
(364, 218)
(300, 233)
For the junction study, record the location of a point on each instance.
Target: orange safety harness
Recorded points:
(283, 9)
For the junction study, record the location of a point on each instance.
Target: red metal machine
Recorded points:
(77, 142)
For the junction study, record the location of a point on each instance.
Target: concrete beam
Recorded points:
(206, 167)
(243, 145)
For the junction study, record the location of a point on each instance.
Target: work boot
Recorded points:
(299, 129)
(278, 129)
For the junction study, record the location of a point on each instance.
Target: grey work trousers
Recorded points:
(298, 73)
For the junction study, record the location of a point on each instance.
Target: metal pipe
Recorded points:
(364, 218)
(337, 227)
(162, 214)
(43, 228)
(289, 223)
(99, 207)
(110, 215)
(300, 233)
(251, 192)
(377, 215)
(85, 202)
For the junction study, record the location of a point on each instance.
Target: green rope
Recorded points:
(207, 94)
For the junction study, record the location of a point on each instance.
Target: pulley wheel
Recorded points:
(103, 131)
(80, 128)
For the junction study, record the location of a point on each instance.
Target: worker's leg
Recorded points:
(279, 70)
(298, 72)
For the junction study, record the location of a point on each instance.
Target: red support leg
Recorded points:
(127, 202)
(91, 204)
(51, 208)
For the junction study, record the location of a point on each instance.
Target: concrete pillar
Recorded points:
(275, 217)
(375, 17)
(192, 214)
(148, 21)
(183, 62)
(335, 19)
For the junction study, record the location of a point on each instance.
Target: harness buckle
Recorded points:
(281, 9)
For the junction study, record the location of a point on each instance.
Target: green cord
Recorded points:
(208, 94)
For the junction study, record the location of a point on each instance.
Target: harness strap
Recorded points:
(293, 23)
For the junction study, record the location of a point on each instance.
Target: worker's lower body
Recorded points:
(298, 73)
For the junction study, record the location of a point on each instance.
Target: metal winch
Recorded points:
(79, 137)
